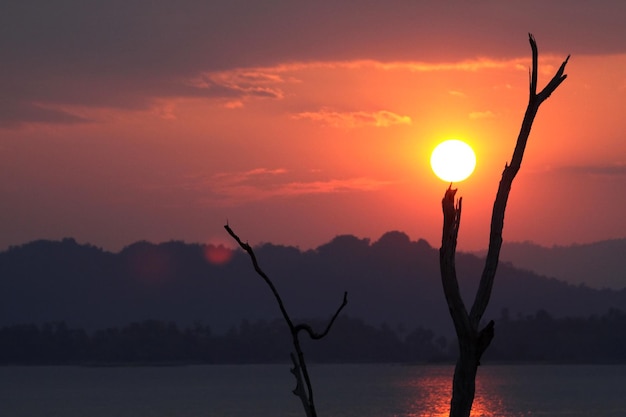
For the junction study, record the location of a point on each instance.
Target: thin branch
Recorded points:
(298, 391)
(508, 175)
(535, 65)
(304, 388)
(315, 336)
(262, 274)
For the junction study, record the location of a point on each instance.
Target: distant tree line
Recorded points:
(533, 338)
(154, 341)
(543, 338)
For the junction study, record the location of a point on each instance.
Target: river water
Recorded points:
(340, 391)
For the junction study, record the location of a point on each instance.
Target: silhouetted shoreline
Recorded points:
(534, 339)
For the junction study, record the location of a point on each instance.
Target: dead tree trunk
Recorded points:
(472, 340)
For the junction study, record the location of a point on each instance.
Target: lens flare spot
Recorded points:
(218, 254)
(150, 264)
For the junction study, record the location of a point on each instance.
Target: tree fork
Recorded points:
(472, 341)
(304, 387)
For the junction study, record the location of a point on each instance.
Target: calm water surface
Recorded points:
(341, 391)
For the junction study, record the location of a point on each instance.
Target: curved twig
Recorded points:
(315, 336)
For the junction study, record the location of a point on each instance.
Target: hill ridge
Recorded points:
(393, 280)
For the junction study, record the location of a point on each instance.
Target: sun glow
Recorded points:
(453, 160)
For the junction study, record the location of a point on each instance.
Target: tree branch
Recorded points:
(304, 388)
(299, 391)
(315, 336)
(447, 265)
(262, 274)
(472, 341)
(508, 175)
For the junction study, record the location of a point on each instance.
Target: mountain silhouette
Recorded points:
(393, 280)
(597, 265)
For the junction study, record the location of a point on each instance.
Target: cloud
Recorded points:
(124, 55)
(14, 115)
(226, 179)
(474, 64)
(381, 118)
(234, 87)
(332, 186)
(232, 188)
(488, 114)
(165, 110)
(234, 104)
(457, 93)
(613, 170)
(240, 82)
(467, 65)
(616, 170)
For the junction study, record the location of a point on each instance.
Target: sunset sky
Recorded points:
(299, 121)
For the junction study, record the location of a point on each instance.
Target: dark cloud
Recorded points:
(617, 170)
(14, 114)
(125, 54)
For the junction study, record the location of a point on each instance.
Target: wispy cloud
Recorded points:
(381, 118)
(612, 170)
(225, 179)
(269, 82)
(241, 82)
(413, 66)
(332, 186)
(231, 188)
(487, 114)
(234, 87)
(457, 93)
(82, 61)
(616, 170)
(234, 104)
(14, 115)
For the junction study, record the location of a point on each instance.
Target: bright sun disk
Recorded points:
(453, 160)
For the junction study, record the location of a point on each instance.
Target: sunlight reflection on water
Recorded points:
(340, 391)
(429, 394)
(403, 391)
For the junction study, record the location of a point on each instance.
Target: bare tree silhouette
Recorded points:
(473, 340)
(304, 388)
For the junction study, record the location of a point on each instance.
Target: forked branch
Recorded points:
(474, 341)
(304, 388)
(508, 175)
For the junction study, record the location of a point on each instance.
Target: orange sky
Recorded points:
(139, 131)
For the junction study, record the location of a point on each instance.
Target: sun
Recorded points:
(453, 160)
